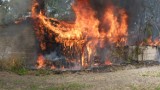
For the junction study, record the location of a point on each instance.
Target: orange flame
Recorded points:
(53, 67)
(85, 30)
(40, 62)
(117, 30)
(150, 42)
(108, 62)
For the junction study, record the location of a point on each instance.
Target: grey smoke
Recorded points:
(142, 13)
(16, 40)
(11, 10)
(53, 56)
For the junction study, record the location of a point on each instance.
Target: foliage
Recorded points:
(148, 30)
(10, 10)
(128, 54)
(60, 9)
(42, 72)
(157, 88)
(20, 70)
(14, 64)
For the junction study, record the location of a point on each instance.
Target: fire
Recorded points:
(108, 62)
(150, 42)
(40, 62)
(85, 33)
(34, 6)
(117, 30)
(53, 67)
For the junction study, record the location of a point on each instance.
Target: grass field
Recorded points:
(136, 79)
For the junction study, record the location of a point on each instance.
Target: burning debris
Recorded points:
(84, 43)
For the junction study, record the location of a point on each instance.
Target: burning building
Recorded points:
(100, 32)
(87, 40)
(98, 35)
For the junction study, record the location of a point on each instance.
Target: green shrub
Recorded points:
(15, 64)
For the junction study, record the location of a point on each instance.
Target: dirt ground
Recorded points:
(147, 78)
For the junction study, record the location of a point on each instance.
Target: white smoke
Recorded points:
(54, 57)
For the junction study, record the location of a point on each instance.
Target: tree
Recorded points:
(60, 9)
(141, 14)
(10, 10)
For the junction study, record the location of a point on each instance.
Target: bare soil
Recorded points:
(147, 78)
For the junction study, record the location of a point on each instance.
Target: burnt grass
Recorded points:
(125, 66)
(127, 76)
(98, 69)
(32, 70)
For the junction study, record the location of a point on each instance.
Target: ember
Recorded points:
(40, 62)
(108, 62)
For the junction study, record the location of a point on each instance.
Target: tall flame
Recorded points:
(117, 30)
(85, 32)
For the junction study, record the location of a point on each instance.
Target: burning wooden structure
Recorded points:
(91, 40)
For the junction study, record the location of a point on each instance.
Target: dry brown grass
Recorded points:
(15, 61)
(14, 64)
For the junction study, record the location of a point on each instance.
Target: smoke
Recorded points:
(100, 5)
(141, 13)
(15, 9)
(10, 10)
(53, 56)
(17, 40)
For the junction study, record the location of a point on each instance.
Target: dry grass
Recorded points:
(120, 80)
(12, 62)
(15, 64)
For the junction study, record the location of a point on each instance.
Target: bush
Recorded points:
(15, 64)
